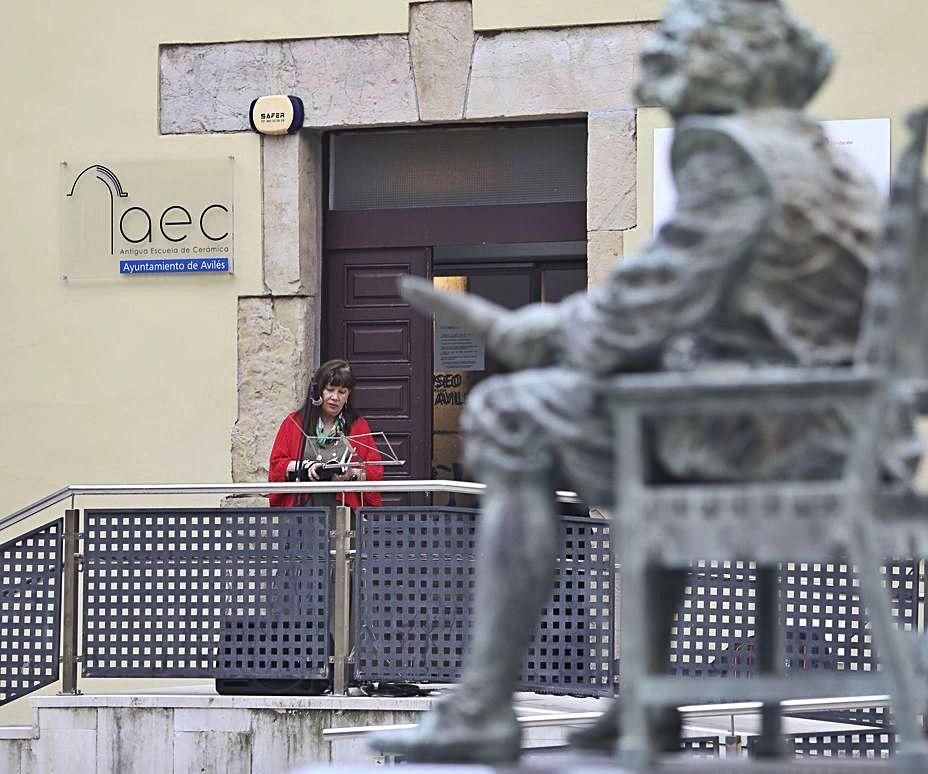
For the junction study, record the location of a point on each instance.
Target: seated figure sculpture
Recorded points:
(763, 263)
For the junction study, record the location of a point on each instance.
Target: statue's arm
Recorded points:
(675, 282)
(529, 337)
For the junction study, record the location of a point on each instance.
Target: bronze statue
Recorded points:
(764, 262)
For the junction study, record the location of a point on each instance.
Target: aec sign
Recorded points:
(164, 217)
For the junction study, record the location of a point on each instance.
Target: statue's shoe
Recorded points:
(603, 735)
(600, 736)
(446, 735)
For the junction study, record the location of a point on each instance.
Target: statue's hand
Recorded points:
(525, 338)
(529, 337)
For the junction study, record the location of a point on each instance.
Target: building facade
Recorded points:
(412, 109)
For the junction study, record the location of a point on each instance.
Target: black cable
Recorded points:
(311, 400)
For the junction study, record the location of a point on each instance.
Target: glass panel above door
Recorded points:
(457, 166)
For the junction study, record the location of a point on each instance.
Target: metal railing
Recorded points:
(401, 486)
(73, 559)
(859, 740)
(414, 591)
(688, 712)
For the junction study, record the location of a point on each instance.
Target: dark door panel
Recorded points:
(370, 285)
(390, 349)
(374, 341)
(386, 397)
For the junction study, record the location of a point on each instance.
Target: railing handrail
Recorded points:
(257, 488)
(692, 711)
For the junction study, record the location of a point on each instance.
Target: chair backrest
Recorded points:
(893, 326)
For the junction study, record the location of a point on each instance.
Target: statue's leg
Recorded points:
(518, 546)
(517, 551)
(770, 660)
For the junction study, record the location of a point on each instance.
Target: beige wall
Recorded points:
(135, 380)
(122, 379)
(117, 380)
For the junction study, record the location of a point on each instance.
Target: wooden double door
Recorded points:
(389, 346)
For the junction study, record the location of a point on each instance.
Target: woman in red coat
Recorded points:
(333, 417)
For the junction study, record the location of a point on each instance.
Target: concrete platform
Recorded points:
(588, 765)
(193, 729)
(164, 733)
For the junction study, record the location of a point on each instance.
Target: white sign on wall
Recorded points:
(866, 139)
(146, 217)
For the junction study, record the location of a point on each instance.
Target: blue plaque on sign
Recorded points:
(175, 265)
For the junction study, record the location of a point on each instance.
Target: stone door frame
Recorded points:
(441, 71)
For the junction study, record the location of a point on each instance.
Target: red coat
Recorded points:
(287, 448)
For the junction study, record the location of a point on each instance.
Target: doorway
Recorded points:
(512, 276)
(495, 211)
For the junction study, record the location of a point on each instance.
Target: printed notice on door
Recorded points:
(457, 350)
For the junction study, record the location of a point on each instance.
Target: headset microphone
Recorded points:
(314, 396)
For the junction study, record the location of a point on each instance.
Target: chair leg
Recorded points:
(651, 595)
(895, 657)
(632, 749)
(664, 588)
(770, 660)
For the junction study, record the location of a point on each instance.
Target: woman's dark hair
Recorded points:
(337, 373)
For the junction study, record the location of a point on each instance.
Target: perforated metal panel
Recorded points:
(826, 625)
(855, 744)
(700, 746)
(571, 649)
(415, 577)
(716, 620)
(822, 599)
(829, 626)
(30, 611)
(206, 593)
(849, 744)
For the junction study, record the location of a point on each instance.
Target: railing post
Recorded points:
(341, 599)
(733, 745)
(69, 596)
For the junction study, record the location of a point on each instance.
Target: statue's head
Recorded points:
(721, 56)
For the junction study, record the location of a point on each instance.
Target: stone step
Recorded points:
(114, 734)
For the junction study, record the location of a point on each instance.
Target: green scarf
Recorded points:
(325, 437)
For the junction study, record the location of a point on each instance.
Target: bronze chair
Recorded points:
(852, 518)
